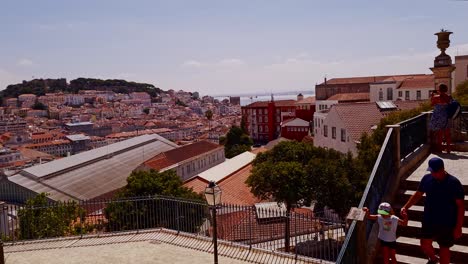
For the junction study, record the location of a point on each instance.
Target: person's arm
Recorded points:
(457, 233)
(368, 215)
(414, 199)
(404, 220)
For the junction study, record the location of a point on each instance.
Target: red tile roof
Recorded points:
(366, 79)
(350, 97)
(277, 103)
(418, 82)
(242, 225)
(308, 100)
(235, 191)
(177, 155)
(359, 118)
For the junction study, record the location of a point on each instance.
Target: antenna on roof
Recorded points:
(272, 97)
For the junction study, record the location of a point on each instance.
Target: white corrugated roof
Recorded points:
(79, 124)
(84, 157)
(229, 166)
(77, 137)
(96, 177)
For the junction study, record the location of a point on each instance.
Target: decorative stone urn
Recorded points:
(443, 40)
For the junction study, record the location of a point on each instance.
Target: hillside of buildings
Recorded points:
(40, 87)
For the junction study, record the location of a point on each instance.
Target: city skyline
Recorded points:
(220, 47)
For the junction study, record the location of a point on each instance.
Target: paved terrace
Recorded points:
(455, 163)
(151, 246)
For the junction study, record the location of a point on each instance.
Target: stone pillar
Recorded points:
(443, 66)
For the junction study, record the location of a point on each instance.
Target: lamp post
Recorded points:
(213, 197)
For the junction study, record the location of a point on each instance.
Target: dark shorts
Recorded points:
(441, 234)
(391, 245)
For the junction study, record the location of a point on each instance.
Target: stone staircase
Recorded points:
(408, 249)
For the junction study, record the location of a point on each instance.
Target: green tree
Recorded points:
(40, 218)
(461, 93)
(39, 106)
(285, 182)
(146, 111)
(174, 213)
(236, 142)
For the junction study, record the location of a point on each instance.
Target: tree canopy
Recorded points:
(41, 219)
(236, 142)
(129, 213)
(461, 93)
(297, 173)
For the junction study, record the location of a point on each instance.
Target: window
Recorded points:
(266, 129)
(406, 95)
(389, 94)
(264, 111)
(266, 119)
(260, 128)
(380, 95)
(334, 132)
(400, 93)
(343, 135)
(325, 131)
(418, 95)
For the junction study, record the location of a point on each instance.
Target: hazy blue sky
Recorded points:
(224, 47)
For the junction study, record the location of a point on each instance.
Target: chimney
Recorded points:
(325, 80)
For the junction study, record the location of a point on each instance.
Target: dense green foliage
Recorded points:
(40, 219)
(171, 213)
(297, 173)
(42, 86)
(369, 148)
(37, 86)
(39, 106)
(180, 103)
(235, 142)
(461, 93)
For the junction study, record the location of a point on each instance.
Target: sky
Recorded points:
(221, 47)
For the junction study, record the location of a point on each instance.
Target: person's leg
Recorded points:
(448, 139)
(386, 254)
(444, 254)
(393, 256)
(428, 249)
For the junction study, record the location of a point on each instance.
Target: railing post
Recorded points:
(428, 129)
(397, 144)
(358, 215)
(2, 256)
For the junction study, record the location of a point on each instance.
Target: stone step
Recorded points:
(414, 229)
(413, 185)
(403, 259)
(416, 213)
(402, 198)
(411, 247)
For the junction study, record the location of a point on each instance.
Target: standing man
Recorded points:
(443, 210)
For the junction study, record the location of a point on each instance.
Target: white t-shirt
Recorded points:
(387, 228)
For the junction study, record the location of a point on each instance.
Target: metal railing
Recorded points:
(378, 181)
(413, 134)
(314, 237)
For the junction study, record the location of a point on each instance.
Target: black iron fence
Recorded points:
(413, 134)
(312, 235)
(376, 186)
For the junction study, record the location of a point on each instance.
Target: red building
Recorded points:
(295, 129)
(263, 119)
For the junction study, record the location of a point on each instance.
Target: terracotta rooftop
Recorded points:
(235, 191)
(359, 118)
(350, 97)
(366, 79)
(277, 103)
(418, 82)
(174, 156)
(307, 100)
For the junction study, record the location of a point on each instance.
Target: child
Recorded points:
(387, 230)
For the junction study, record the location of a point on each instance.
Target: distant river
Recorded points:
(245, 100)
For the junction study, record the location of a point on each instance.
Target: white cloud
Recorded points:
(192, 63)
(231, 62)
(24, 62)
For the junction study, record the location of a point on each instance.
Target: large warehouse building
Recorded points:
(97, 173)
